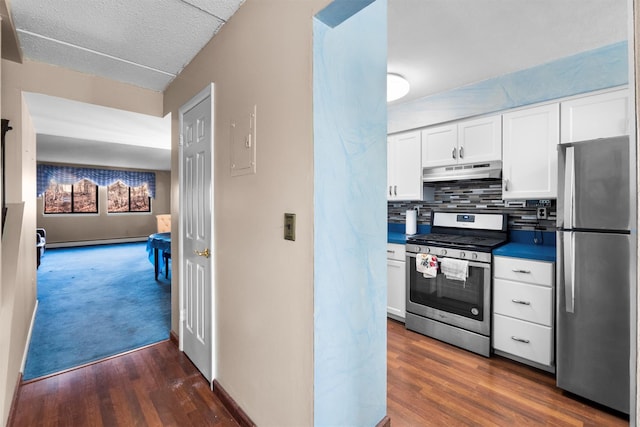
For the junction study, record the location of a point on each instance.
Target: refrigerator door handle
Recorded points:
(569, 187)
(569, 271)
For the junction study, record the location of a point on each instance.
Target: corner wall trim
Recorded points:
(230, 405)
(385, 422)
(14, 401)
(28, 342)
(173, 337)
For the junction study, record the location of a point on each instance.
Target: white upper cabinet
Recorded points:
(595, 116)
(480, 140)
(468, 141)
(404, 171)
(529, 153)
(440, 146)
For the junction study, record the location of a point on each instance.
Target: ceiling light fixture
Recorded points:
(397, 87)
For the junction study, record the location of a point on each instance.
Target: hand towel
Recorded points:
(427, 265)
(455, 269)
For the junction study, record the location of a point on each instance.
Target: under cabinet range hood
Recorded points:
(483, 170)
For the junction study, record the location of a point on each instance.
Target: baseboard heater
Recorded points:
(96, 242)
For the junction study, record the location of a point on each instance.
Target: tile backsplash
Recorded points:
(472, 195)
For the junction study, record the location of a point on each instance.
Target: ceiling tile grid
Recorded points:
(62, 55)
(161, 36)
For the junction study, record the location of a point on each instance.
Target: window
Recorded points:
(81, 197)
(122, 198)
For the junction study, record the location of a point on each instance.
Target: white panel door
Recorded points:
(396, 288)
(480, 140)
(596, 116)
(406, 167)
(440, 146)
(529, 153)
(196, 235)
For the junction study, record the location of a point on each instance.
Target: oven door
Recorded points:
(465, 304)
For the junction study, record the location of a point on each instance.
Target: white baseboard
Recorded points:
(26, 347)
(96, 242)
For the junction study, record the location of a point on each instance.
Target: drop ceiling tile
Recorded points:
(161, 34)
(223, 9)
(87, 62)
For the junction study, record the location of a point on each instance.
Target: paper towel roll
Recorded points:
(412, 222)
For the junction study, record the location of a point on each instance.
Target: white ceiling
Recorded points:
(75, 132)
(439, 45)
(436, 44)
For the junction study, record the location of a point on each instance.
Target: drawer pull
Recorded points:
(517, 270)
(517, 301)
(391, 252)
(520, 340)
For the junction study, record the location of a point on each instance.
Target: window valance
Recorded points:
(103, 177)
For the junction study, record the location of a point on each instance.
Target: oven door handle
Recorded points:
(440, 258)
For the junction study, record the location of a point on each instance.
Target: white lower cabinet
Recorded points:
(396, 281)
(523, 311)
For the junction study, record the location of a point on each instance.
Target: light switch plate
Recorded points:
(290, 226)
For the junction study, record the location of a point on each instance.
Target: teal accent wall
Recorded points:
(350, 219)
(596, 69)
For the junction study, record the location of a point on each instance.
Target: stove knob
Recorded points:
(443, 252)
(427, 249)
(474, 255)
(418, 249)
(462, 254)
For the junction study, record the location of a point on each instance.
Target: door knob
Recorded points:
(204, 253)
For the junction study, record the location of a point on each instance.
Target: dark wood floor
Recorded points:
(430, 383)
(155, 386)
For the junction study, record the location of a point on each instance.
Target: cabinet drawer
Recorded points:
(395, 251)
(523, 339)
(524, 270)
(532, 303)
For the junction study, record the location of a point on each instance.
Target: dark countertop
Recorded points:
(396, 232)
(529, 251)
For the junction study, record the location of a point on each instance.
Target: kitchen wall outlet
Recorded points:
(289, 226)
(541, 213)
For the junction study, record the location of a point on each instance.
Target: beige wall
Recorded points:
(17, 291)
(264, 284)
(103, 226)
(19, 259)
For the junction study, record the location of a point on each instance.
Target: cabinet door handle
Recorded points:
(520, 340)
(517, 301)
(390, 252)
(453, 153)
(516, 270)
(461, 152)
(395, 190)
(390, 191)
(506, 184)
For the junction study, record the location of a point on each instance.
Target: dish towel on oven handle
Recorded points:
(427, 265)
(455, 269)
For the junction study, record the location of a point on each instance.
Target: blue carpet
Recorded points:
(95, 302)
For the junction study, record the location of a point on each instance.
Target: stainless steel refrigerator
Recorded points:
(595, 269)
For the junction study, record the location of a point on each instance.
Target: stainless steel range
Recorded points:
(449, 278)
